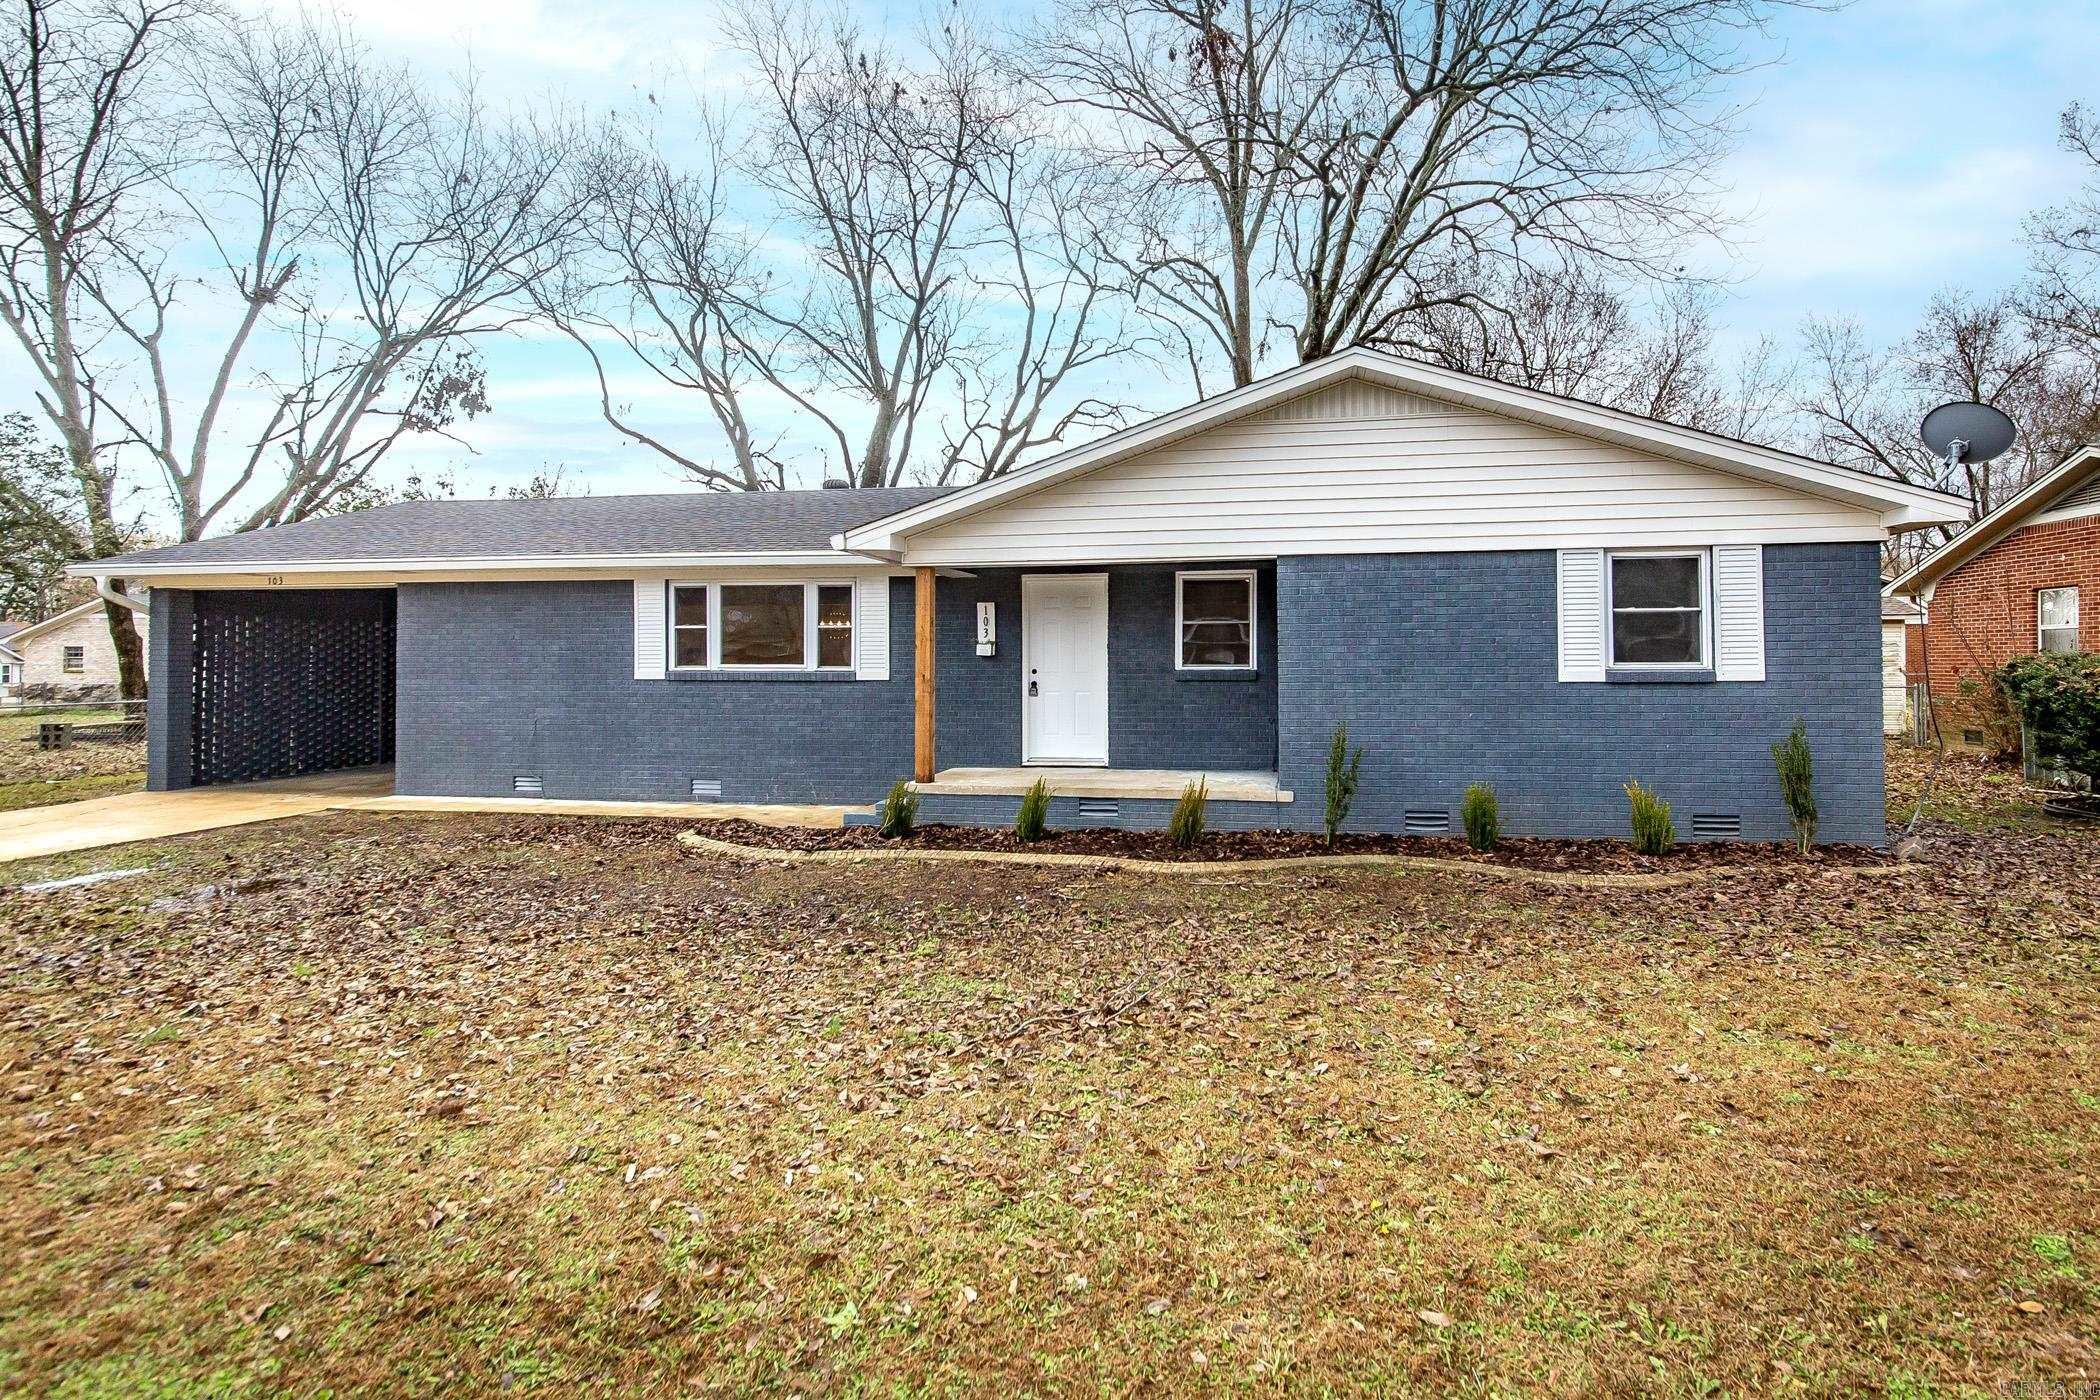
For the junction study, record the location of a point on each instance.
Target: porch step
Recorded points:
(1114, 783)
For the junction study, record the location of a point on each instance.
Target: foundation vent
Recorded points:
(528, 785)
(1423, 822)
(707, 788)
(1716, 826)
(1094, 809)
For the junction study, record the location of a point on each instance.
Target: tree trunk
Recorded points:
(131, 655)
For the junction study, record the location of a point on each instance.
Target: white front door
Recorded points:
(1064, 668)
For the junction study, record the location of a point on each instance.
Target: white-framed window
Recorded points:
(73, 661)
(2056, 619)
(762, 626)
(1214, 620)
(1658, 609)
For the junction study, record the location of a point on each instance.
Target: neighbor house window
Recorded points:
(1658, 608)
(1214, 620)
(75, 660)
(762, 626)
(2057, 610)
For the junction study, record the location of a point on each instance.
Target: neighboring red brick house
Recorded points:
(2023, 579)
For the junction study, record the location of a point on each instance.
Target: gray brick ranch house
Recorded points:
(1484, 583)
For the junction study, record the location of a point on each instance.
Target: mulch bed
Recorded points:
(1528, 853)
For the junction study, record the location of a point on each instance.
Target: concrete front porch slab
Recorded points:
(1225, 786)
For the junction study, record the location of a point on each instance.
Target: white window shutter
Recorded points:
(1739, 612)
(871, 628)
(649, 628)
(1581, 590)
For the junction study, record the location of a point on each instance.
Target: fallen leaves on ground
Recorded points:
(419, 1102)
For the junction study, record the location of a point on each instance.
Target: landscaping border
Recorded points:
(1577, 879)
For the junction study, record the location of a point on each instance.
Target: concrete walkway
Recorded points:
(147, 816)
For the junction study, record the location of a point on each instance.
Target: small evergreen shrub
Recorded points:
(2057, 696)
(1483, 818)
(1035, 808)
(899, 811)
(1653, 834)
(1797, 783)
(1342, 770)
(1187, 822)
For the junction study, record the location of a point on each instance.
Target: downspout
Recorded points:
(117, 595)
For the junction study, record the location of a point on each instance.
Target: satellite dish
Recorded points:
(1967, 433)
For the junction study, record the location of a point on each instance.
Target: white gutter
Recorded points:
(116, 595)
(553, 563)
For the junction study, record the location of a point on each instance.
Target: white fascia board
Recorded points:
(57, 619)
(1902, 505)
(1997, 525)
(608, 565)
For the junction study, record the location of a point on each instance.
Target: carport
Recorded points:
(252, 684)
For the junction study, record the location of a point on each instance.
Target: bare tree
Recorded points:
(951, 285)
(1571, 332)
(1350, 156)
(1861, 404)
(242, 204)
(1208, 98)
(665, 269)
(77, 151)
(436, 219)
(2063, 292)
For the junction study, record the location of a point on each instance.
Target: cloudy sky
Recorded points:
(1892, 148)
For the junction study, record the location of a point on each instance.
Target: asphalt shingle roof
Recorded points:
(688, 523)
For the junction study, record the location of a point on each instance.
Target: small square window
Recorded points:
(1658, 609)
(75, 660)
(2056, 611)
(689, 626)
(1216, 621)
(835, 625)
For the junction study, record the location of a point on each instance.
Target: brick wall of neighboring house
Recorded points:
(1983, 614)
(44, 676)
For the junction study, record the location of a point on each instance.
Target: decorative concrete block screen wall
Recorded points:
(250, 685)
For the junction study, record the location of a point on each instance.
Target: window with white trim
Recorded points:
(1659, 606)
(801, 626)
(1214, 620)
(74, 660)
(2056, 619)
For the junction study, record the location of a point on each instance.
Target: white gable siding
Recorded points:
(1349, 401)
(1425, 477)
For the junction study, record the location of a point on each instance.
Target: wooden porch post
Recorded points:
(922, 678)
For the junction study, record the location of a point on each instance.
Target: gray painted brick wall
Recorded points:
(170, 691)
(499, 680)
(1157, 717)
(1443, 667)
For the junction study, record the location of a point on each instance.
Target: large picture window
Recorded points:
(762, 626)
(2056, 612)
(1659, 602)
(1214, 621)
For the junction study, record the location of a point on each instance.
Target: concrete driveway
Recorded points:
(146, 816)
(143, 816)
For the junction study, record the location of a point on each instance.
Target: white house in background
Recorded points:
(69, 655)
(10, 661)
(1898, 616)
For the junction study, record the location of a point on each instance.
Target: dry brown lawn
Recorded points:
(410, 1104)
(34, 777)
